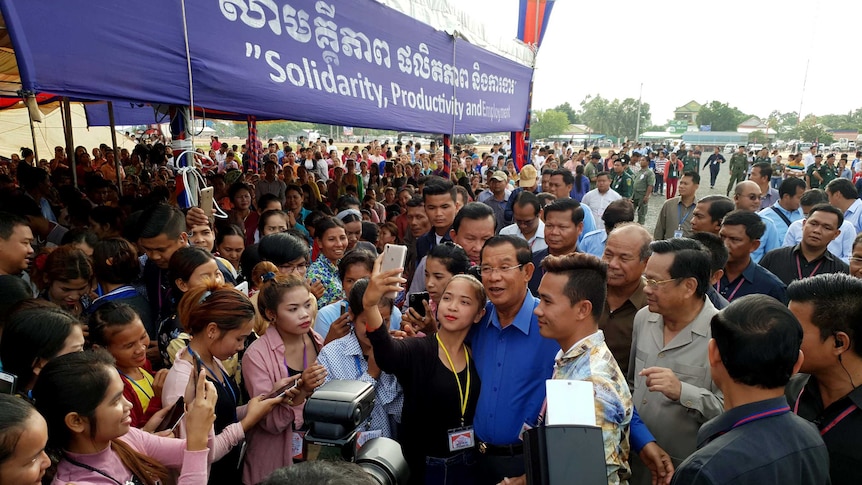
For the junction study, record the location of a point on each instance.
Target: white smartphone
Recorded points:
(206, 202)
(394, 256)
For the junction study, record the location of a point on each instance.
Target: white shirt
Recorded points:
(808, 161)
(598, 202)
(841, 247)
(537, 242)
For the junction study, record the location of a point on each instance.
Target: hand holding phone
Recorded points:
(394, 256)
(415, 301)
(282, 390)
(178, 410)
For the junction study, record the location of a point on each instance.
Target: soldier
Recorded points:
(690, 162)
(738, 165)
(643, 187)
(829, 172)
(813, 175)
(622, 182)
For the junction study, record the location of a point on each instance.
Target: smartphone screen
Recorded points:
(281, 391)
(7, 383)
(173, 418)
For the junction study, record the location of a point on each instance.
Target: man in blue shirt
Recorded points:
(512, 358)
(747, 196)
(785, 211)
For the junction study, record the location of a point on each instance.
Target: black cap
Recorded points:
(819, 155)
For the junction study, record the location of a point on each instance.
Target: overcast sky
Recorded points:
(749, 53)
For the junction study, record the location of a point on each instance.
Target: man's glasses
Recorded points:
(489, 271)
(656, 283)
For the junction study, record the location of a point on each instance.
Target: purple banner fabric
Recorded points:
(124, 114)
(343, 62)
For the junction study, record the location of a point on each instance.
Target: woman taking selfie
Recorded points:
(440, 382)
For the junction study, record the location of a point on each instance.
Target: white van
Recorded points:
(730, 147)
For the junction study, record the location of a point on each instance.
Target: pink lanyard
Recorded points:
(729, 298)
(832, 423)
(799, 268)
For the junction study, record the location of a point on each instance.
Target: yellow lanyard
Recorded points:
(464, 396)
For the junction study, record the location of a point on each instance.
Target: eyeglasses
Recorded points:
(487, 270)
(656, 283)
(290, 268)
(753, 197)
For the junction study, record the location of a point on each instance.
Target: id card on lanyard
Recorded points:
(463, 437)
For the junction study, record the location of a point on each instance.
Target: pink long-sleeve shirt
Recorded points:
(175, 386)
(170, 452)
(270, 442)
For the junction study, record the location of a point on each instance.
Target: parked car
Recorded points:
(730, 147)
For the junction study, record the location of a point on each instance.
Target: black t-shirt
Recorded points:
(431, 400)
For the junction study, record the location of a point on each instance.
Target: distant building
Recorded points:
(688, 112)
(751, 125)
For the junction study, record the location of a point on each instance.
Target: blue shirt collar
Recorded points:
(522, 319)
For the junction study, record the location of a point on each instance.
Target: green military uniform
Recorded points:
(690, 163)
(622, 184)
(738, 165)
(763, 160)
(590, 172)
(813, 182)
(829, 173)
(642, 182)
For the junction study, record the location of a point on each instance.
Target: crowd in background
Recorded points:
(120, 304)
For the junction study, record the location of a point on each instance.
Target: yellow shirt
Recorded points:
(144, 389)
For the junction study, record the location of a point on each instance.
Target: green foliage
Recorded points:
(614, 118)
(721, 116)
(548, 123)
(809, 130)
(569, 111)
(757, 137)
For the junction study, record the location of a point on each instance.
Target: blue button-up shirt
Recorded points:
(513, 363)
(594, 242)
(768, 241)
(772, 213)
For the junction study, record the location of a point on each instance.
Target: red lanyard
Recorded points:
(832, 423)
(729, 298)
(799, 268)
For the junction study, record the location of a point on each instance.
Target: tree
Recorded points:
(721, 116)
(548, 123)
(614, 118)
(569, 111)
(757, 137)
(810, 130)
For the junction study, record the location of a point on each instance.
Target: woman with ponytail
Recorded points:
(80, 396)
(219, 319)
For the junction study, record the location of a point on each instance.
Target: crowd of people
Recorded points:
(721, 343)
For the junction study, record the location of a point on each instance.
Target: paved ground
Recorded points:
(657, 200)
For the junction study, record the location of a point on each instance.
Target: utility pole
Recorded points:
(638, 122)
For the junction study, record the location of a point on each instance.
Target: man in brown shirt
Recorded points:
(626, 252)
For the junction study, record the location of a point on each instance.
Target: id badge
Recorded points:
(461, 438)
(363, 436)
(677, 233)
(297, 445)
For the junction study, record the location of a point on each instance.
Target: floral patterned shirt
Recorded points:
(591, 360)
(326, 272)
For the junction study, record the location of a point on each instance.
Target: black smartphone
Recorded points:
(281, 391)
(415, 301)
(173, 418)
